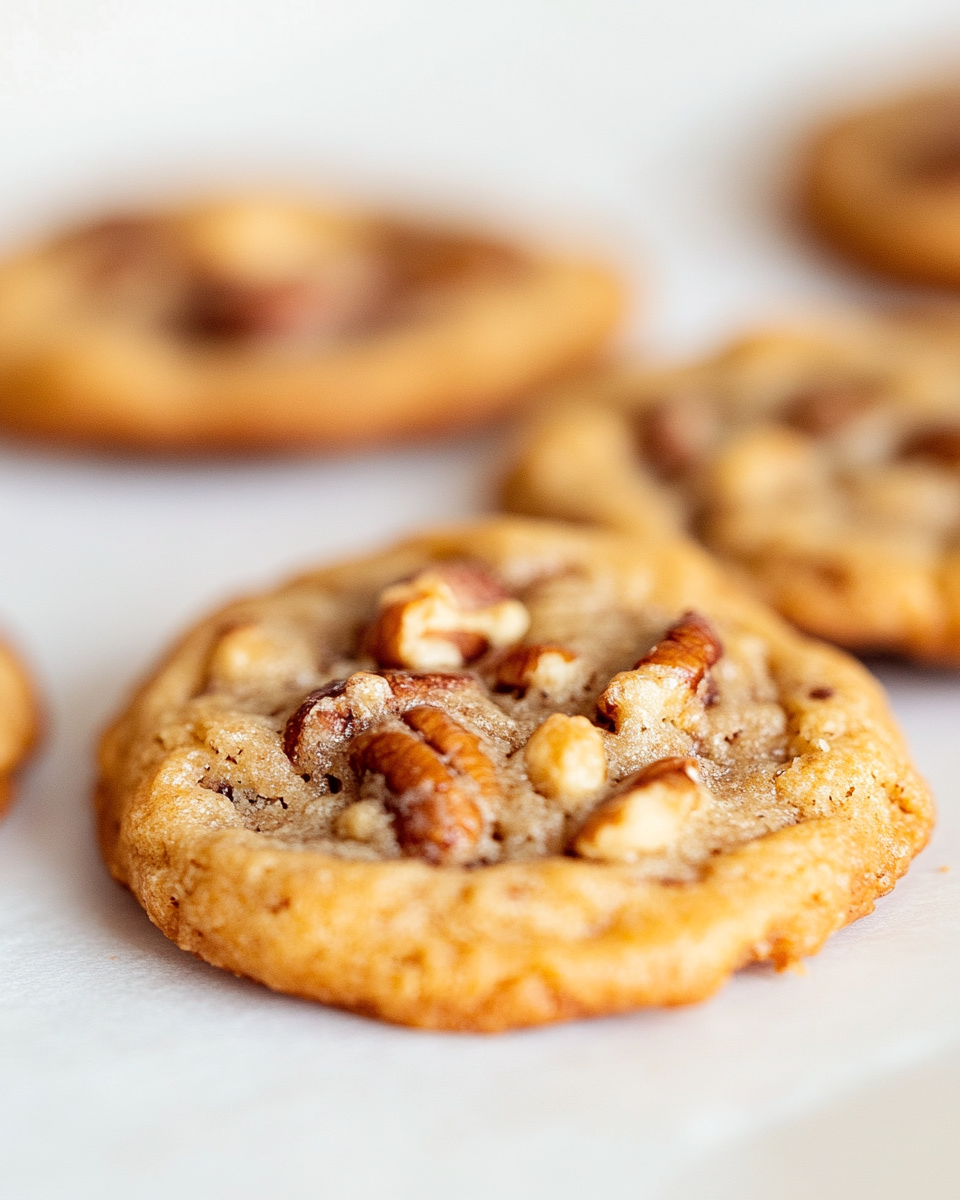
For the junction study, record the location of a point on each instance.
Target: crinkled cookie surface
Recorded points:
(506, 774)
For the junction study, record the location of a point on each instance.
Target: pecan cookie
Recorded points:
(503, 775)
(884, 186)
(823, 461)
(255, 324)
(18, 721)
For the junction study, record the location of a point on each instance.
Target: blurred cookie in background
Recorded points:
(883, 184)
(823, 460)
(265, 324)
(18, 721)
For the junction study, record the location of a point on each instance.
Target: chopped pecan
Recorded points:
(566, 760)
(940, 445)
(419, 687)
(551, 669)
(436, 817)
(826, 410)
(676, 433)
(663, 682)
(443, 618)
(647, 815)
(362, 821)
(689, 648)
(332, 715)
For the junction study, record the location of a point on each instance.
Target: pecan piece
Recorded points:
(422, 686)
(647, 815)
(663, 682)
(443, 618)
(689, 648)
(551, 669)
(332, 715)
(566, 760)
(940, 445)
(436, 818)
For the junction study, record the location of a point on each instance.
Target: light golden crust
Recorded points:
(819, 460)
(255, 325)
(532, 939)
(884, 186)
(18, 721)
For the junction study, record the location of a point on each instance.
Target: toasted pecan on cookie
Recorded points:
(503, 775)
(823, 460)
(883, 185)
(18, 721)
(265, 324)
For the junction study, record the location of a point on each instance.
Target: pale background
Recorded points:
(659, 131)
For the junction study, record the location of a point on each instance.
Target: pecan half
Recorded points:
(436, 818)
(443, 618)
(460, 748)
(647, 815)
(689, 648)
(663, 682)
(551, 669)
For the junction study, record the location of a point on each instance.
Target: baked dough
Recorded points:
(822, 460)
(503, 775)
(18, 721)
(258, 324)
(883, 185)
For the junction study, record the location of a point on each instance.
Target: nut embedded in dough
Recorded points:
(437, 818)
(444, 618)
(648, 814)
(566, 760)
(664, 682)
(550, 669)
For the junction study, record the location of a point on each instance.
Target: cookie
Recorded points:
(883, 185)
(823, 461)
(18, 721)
(503, 775)
(256, 325)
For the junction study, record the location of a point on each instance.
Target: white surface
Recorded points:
(127, 1067)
